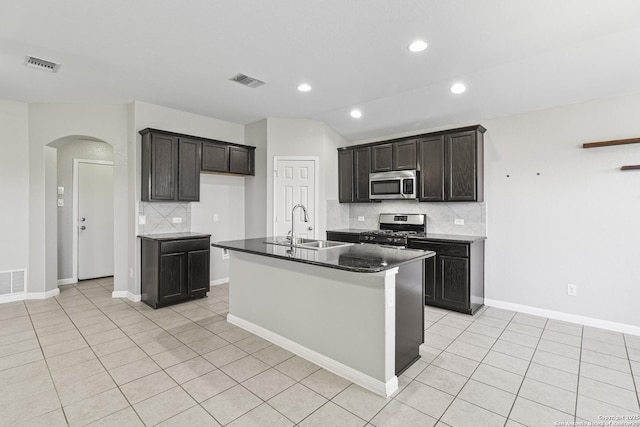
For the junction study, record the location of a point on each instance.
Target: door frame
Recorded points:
(76, 163)
(316, 196)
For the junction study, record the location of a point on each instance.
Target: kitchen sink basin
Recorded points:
(309, 243)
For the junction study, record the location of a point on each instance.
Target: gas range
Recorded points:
(395, 229)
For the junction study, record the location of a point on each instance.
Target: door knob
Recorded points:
(310, 228)
(83, 219)
(83, 228)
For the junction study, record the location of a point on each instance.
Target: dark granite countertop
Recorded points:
(451, 238)
(361, 258)
(173, 236)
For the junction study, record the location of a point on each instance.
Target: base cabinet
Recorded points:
(174, 270)
(454, 278)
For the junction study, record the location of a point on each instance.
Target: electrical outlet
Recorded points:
(176, 220)
(458, 221)
(60, 190)
(361, 218)
(142, 220)
(225, 254)
(572, 290)
(215, 217)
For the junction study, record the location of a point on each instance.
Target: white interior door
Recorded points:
(295, 183)
(95, 220)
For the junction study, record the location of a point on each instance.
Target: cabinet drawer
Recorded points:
(184, 245)
(343, 237)
(443, 249)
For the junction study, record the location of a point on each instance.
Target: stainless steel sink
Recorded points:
(311, 244)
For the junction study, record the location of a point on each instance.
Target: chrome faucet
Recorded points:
(293, 221)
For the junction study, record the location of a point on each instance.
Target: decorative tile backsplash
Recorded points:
(159, 217)
(440, 216)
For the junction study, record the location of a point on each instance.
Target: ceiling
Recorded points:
(513, 55)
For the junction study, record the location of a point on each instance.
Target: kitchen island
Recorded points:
(355, 310)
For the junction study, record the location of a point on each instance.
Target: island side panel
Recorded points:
(348, 317)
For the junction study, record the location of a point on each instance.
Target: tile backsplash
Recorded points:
(159, 217)
(440, 216)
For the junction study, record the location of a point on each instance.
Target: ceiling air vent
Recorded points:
(246, 80)
(41, 64)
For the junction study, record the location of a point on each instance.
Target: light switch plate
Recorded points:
(60, 202)
(176, 220)
(142, 220)
(361, 218)
(215, 217)
(60, 190)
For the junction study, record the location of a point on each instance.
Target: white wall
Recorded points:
(577, 222)
(51, 122)
(222, 195)
(76, 149)
(145, 115)
(14, 186)
(255, 199)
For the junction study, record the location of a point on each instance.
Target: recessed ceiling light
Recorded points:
(417, 46)
(458, 88)
(356, 114)
(304, 87)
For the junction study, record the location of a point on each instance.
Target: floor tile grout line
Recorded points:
(55, 387)
(575, 409)
(633, 377)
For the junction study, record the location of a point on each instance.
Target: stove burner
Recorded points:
(395, 229)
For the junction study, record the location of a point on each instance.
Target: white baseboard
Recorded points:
(69, 281)
(29, 295)
(219, 282)
(566, 317)
(353, 375)
(126, 294)
(13, 297)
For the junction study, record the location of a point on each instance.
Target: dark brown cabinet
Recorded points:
(431, 160)
(454, 278)
(399, 155)
(338, 236)
(353, 175)
(171, 164)
(382, 158)
(174, 270)
(241, 160)
(215, 157)
(170, 167)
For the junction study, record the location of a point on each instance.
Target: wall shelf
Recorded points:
(630, 167)
(612, 142)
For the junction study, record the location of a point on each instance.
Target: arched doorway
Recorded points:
(70, 161)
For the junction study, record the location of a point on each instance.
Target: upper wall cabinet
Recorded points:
(353, 175)
(399, 155)
(171, 163)
(450, 164)
(170, 167)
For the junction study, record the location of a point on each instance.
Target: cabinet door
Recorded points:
(362, 163)
(453, 283)
(461, 170)
(343, 237)
(188, 170)
(431, 163)
(198, 271)
(382, 158)
(164, 168)
(345, 176)
(404, 155)
(172, 285)
(215, 157)
(429, 280)
(240, 160)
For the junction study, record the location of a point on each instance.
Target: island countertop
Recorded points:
(361, 258)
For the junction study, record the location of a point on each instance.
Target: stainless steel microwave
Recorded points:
(393, 185)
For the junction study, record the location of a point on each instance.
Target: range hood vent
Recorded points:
(41, 64)
(246, 80)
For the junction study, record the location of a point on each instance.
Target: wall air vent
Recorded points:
(12, 282)
(246, 80)
(41, 64)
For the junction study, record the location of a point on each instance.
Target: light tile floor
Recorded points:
(85, 358)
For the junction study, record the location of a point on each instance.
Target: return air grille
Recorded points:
(41, 64)
(12, 282)
(246, 80)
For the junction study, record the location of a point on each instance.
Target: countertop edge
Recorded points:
(319, 264)
(172, 236)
